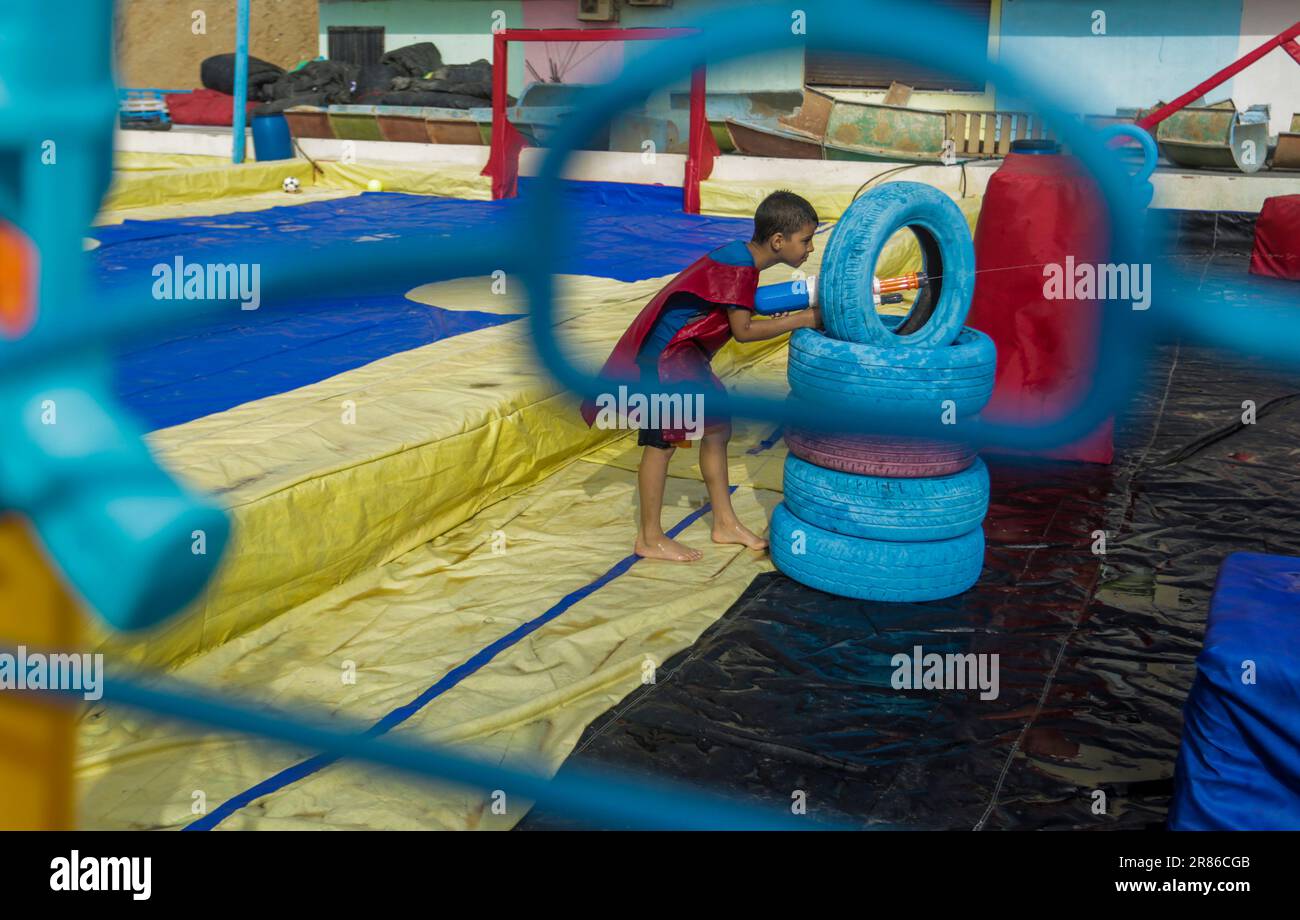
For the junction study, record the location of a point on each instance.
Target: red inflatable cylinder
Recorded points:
(1276, 253)
(1040, 209)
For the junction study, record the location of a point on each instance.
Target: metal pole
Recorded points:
(240, 120)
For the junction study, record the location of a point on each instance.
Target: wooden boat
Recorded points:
(355, 122)
(1287, 154)
(668, 131)
(812, 115)
(758, 107)
(771, 140)
(403, 123)
(309, 121)
(870, 131)
(458, 126)
(542, 107)
(1210, 137)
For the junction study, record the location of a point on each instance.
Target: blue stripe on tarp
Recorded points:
(626, 232)
(766, 442)
(449, 680)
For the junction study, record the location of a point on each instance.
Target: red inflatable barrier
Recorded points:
(203, 107)
(1277, 239)
(1042, 220)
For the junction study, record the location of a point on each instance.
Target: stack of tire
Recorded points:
(888, 518)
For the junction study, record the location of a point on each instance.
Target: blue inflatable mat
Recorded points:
(625, 232)
(1239, 762)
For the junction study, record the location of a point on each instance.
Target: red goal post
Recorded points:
(507, 142)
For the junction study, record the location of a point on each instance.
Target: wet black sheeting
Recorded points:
(790, 690)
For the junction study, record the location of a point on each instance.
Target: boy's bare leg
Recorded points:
(713, 464)
(651, 541)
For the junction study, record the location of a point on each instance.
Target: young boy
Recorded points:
(675, 337)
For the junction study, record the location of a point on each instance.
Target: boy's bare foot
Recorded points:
(736, 532)
(664, 547)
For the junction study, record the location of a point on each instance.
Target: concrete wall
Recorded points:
(1153, 50)
(462, 31)
(157, 45)
(1274, 79)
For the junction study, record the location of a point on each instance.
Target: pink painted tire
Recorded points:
(898, 458)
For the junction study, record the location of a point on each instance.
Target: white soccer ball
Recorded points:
(292, 185)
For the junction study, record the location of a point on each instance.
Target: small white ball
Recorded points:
(291, 185)
(375, 185)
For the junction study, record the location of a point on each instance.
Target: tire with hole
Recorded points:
(899, 457)
(874, 570)
(882, 508)
(906, 382)
(848, 267)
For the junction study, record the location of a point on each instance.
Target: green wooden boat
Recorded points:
(355, 122)
(875, 132)
(1209, 137)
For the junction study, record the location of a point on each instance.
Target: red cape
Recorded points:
(686, 357)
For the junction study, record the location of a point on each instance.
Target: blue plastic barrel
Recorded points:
(271, 138)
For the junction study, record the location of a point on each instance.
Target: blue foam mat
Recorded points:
(1239, 760)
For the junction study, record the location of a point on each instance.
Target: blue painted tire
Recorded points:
(907, 382)
(849, 265)
(878, 508)
(875, 570)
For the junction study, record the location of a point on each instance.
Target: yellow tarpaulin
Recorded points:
(397, 519)
(150, 180)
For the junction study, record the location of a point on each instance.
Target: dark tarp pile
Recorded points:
(218, 73)
(460, 86)
(791, 691)
(413, 60)
(413, 76)
(331, 79)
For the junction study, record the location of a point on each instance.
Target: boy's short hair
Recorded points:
(782, 212)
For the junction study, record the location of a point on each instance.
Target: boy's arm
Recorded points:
(744, 328)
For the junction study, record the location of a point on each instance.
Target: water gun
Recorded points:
(801, 293)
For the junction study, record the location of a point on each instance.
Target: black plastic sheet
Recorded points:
(790, 691)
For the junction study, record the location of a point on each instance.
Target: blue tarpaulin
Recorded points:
(624, 232)
(1239, 762)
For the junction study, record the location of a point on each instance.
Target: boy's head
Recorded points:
(784, 225)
